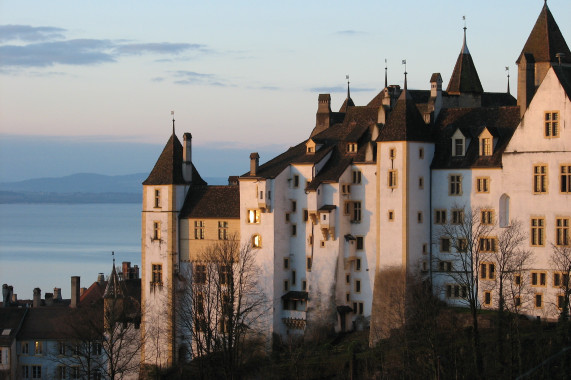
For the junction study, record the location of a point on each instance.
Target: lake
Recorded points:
(43, 245)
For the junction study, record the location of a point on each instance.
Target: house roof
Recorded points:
(212, 202)
(464, 78)
(564, 75)
(546, 40)
(11, 319)
(60, 322)
(500, 121)
(168, 168)
(405, 122)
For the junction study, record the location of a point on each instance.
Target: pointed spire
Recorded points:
(508, 70)
(464, 44)
(348, 91)
(172, 113)
(348, 102)
(464, 78)
(405, 73)
(113, 289)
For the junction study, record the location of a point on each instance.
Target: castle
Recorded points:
(371, 191)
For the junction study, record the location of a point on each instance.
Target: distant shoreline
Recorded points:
(13, 197)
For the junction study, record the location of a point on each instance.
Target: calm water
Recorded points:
(43, 245)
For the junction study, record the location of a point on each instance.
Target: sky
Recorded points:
(89, 86)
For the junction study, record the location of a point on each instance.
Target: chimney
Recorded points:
(75, 285)
(57, 294)
(37, 298)
(323, 116)
(14, 298)
(49, 299)
(101, 279)
(186, 159)
(136, 272)
(5, 295)
(525, 81)
(126, 269)
(254, 163)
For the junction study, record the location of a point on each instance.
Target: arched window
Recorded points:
(504, 210)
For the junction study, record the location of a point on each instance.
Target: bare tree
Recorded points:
(221, 306)
(561, 260)
(470, 242)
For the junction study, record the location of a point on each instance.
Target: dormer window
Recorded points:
(311, 146)
(486, 143)
(458, 144)
(352, 147)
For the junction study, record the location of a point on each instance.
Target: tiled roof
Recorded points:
(564, 75)
(168, 168)
(405, 122)
(60, 322)
(498, 99)
(93, 294)
(546, 40)
(11, 319)
(212, 202)
(464, 78)
(346, 104)
(500, 121)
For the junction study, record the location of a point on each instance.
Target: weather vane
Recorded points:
(172, 114)
(508, 70)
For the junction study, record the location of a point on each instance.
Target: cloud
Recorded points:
(30, 33)
(349, 32)
(158, 48)
(194, 78)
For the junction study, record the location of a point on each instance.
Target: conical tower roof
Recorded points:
(405, 122)
(546, 40)
(464, 78)
(114, 286)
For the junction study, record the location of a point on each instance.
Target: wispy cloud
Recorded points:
(158, 48)
(194, 78)
(349, 32)
(30, 33)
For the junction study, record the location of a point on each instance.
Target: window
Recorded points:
(253, 216)
(439, 216)
(96, 374)
(345, 189)
(455, 181)
(358, 264)
(37, 347)
(421, 153)
(537, 232)
(356, 177)
(199, 227)
(25, 372)
(445, 266)
(444, 245)
(199, 273)
(565, 185)
(482, 184)
(517, 279)
(421, 183)
(75, 372)
(286, 263)
(293, 206)
(487, 271)
(293, 277)
(36, 372)
(560, 279)
(304, 285)
(305, 215)
(462, 245)
(560, 301)
(487, 216)
(488, 298)
(458, 147)
(351, 147)
(96, 348)
(157, 198)
(425, 248)
(539, 179)
(485, 146)
(419, 217)
(157, 274)
(538, 300)
(552, 124)
(293, 229)
(392, 180)
(392, 153)
(25, 348)
(322, 244)
(562, 231)
(286, 285)
(61, 348)
(225, 274)
(456, 291)
(348, 279)
(360, 242)
(222, 230)
(391, 215)
(457, 216)
(353, 209)
(156, 230)
(296, 181)
(538, 279)
(309, 263)
(487, 244)
(357, 286)
(256, 241)
(517, 301)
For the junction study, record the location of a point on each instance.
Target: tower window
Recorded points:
(156, 230)
(552, 124)
(157, 198)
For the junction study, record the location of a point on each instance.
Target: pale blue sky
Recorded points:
(244, 74)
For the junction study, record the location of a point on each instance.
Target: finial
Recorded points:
(464, 45)
(348, 92)
(386, 81)
(172, 113)
(404, 63)
(508, 70)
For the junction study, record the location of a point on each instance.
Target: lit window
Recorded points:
(392, 180)
(351, 147)
(486, 146)
(540, 179)
(156, 230)
(157, 198)
(38, 347)
(487, 216)
(199, 227)
(487, 244)
(253, 216)
(222, 230)
(157, 274)
(457, 216)
(565, 185)
(552, 124)
(482, 185)
(455, 182)
(537, 232)
(487, 271)
(256, 241)
(562, 231)
(357, 176)
(439, 216)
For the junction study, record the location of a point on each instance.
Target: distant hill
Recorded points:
(81, 188)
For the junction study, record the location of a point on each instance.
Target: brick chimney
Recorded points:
(186, 158)
(57, 294)
(323, 116)
(37, 300)
(75, 285)
(254, 163)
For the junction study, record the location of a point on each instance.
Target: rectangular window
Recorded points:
(552, 124)
(25, 372)
(360, 242)
(225, 274)
(517, 279)
(36, 372)
(392, 180)
(444, 245)
(445, 266)
(222, 230)
(253, 216)
(25, 348)
(457, 216)
(199, 227)
(392, 153)
(538, 278)
(157, 274)
(356, 177)
(348, 279)
(560, 279)
(256, 241)
(293, 230)
(487, 271)
(157, 198)
(482, 184)
(304, 285)
(75, 372)
(486, 146)
(156, 230)
(537, 232)
(488, 298)
(456, 291)
(305, 215)
(293, 277)
(286, 285)
(358, 264)
(309, 263)
(357, 286)
(345, 189)
(487, 216)
(538, 300)
(421, 153)
(487, 244)
(462, 245)
(421, 183)
(458, 147)
(61, 348)
(517, 301)
(562, 231)
(38, 347)
(419, 217)
(391, 215)
(354, 211)
(286, 263)
(199, 273)
(455, 184)
(293, 206)
(560, 301)
(539, 179)
(565, 185)
(439, 216)
(296, 181)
